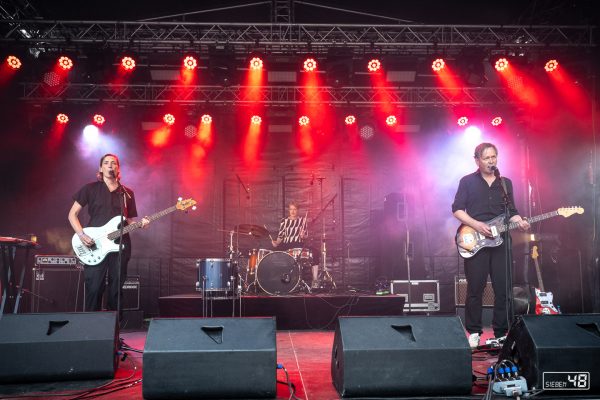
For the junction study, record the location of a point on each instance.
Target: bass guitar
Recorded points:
(543, 299)
(469, 241)
(106, 237)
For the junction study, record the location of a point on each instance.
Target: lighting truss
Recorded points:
(155, 94)
(290, 38)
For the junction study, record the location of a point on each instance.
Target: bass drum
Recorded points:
(278, 273)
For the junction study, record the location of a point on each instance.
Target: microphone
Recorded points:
(496, 171)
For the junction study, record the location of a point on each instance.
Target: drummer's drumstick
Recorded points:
(270, 237)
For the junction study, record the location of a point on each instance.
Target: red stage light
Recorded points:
(99, 119)
(190, 131)
(374, 65)
(169, 119)
(501, 64)
(65, 63)
(62, 118)
(350, 120)
(303, 120)
(391, 120)
(310, 65)
(462, 121)
(256, 120)
(438, 64)
(496, 121)
(206, 119)
(256, 64)
(13, 62)
(551, 65)
(190, 63)
(128, 63)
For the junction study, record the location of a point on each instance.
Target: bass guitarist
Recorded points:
(103, 199)
(480, 198)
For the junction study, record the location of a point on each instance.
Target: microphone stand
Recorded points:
(510, 315)
(122, 194)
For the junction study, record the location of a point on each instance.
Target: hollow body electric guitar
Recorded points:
(543, 299)
(106, 237)
(469, 241)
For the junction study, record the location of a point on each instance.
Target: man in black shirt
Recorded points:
(479, 198)
(103, 199)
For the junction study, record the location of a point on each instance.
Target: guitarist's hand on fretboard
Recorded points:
(521, 223)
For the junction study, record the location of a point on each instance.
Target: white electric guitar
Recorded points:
(106, 237)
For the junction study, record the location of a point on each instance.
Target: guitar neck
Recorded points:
(531, 220)
(539, 274)
(115, 234)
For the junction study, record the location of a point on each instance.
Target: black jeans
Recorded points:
(489, 261)
(95, 281)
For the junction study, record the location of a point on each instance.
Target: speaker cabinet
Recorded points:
(543, 345)
(400, 356)
(210, 358)
(56, 290)
(60, 346)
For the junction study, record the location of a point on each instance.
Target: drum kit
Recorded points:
(258, 270)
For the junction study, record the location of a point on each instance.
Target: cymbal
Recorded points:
(252, 230)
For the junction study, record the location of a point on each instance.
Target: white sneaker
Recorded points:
(474, 340)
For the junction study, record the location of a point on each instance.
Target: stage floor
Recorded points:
(292, 312)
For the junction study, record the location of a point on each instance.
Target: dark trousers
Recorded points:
(489, 261)
(95, 281)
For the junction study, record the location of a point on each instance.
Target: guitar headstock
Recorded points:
(534, 252)
(185, 204)
(568, 211)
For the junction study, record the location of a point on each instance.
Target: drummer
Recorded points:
(292, 234)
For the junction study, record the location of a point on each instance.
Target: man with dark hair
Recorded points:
(103, 199)
(480, 198)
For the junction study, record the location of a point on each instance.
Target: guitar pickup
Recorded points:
(494, 230)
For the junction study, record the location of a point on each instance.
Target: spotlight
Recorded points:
(438, 64)
(62, 118)
(13, 62)
(190, 131)
(496, 121)
(310, 64)
(98, 119)
(65, 63)
(366, 132)
(206, 119)
(551, 65)
(52, 78)
(256, 120)
(391, 120)
(256, 64)
(91, 134)
(472, 133)
(190, 63)
(374, 65)
(303, 120)
(128, 63)
(501, 64)
(169, 119)
(350, 120)
(462, 121)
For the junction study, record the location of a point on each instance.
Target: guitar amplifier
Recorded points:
(423, 295)
(460, 293)
(55, 288)
(130, 300)
(56, 261)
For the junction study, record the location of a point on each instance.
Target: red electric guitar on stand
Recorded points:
(543, 299)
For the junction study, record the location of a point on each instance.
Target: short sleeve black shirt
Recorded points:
(103, 204)
(480, 200)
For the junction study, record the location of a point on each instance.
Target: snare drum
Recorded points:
(278, 273)
(299, 252)
(214, 274)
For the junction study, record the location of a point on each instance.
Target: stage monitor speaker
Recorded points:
(543, 345)
(210, 358)
(58, 347)
(400, 356)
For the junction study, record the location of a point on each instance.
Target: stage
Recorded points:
(292, 312)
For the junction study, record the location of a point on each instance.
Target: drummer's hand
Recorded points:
(302, 233)
(274, 243)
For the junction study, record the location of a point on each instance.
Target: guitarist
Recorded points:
(103, 199)
(479, 198)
